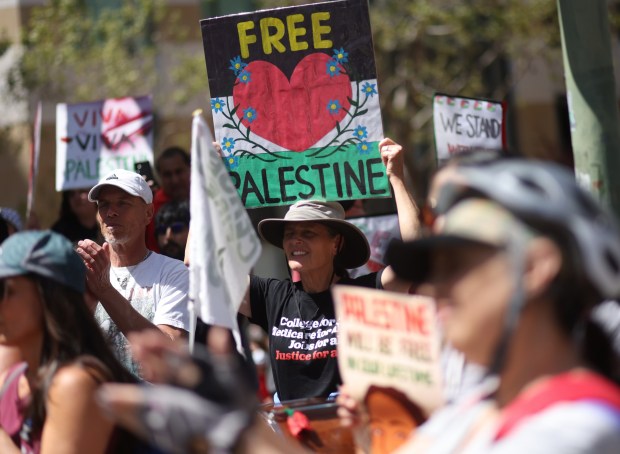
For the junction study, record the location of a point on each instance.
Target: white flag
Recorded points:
(223, 243)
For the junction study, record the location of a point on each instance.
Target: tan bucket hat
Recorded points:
(355, 250)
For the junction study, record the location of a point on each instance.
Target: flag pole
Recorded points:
(193, 291)
(35, 151)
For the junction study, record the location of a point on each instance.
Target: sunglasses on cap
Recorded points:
(175, 227)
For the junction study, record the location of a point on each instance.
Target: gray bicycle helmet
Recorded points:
(543, 192)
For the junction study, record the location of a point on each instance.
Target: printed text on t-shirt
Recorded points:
(306, 336)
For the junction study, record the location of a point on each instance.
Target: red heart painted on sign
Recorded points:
(295, 114)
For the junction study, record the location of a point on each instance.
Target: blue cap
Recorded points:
(45, 253)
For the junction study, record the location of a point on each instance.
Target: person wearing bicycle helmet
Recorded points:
(523, 257)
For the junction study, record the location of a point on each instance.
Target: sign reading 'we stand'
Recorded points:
(295, 104)
(463, 124)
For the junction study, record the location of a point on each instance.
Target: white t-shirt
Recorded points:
(158, 289)
(459, 376)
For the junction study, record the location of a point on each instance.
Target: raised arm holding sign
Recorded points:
(299, 317)
(296, 113)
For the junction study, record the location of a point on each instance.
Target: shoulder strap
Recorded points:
(568, 387)
(14, 372)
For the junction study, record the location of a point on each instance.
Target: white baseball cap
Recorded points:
(130, 182)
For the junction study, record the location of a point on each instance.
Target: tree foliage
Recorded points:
(455, 47)
(77, 52)
(464, 48)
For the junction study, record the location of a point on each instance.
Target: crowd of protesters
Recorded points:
(94, 317)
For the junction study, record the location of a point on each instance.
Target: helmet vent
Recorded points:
(588, 206)
(611, 261)
(533, 186)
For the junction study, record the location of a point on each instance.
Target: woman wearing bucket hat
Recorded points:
(299, 317)
(523, 257)
(47, 403)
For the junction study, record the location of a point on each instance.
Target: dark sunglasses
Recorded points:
(175, 227)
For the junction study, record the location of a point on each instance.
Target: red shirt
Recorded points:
(160, 198)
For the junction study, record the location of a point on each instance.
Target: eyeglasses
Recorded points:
(175, 227)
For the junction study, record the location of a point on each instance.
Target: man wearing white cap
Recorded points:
(137, 289)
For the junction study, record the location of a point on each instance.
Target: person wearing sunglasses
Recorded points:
(522, 259)
(172, 228)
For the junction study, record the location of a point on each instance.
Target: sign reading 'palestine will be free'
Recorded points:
(295, 104)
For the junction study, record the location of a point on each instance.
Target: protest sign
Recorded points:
(389, 340)
(295, 104)
(94, 138)
(466, 123)
(379, 231)
(224, 245)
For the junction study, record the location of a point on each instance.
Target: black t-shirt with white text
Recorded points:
(302, 332)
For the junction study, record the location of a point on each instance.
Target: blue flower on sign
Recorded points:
(333, 68)
(232, 162)
(244, 77)
(340, 55)
(360, 132)
(217, 105)
(237, 65)
(228, 143)
(333, 105)
(369, 89)
(249, 114)
(363, 147)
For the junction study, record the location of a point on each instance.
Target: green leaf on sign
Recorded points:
(352, 102)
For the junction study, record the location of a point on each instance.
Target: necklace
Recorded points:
(125, 279)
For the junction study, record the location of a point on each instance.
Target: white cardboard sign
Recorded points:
(94, 138)
(465, 123)
(388, 339)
